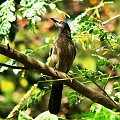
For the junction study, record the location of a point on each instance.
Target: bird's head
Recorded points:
(60, 24)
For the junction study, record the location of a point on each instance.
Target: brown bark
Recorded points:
(31, 63)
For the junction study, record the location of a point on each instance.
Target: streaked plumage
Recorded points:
(62, 56)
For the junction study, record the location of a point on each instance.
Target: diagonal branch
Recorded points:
(32, 63)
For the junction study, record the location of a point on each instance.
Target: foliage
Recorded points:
(97, 57)
(31, 10)
(97, 112)
(73, 97)
(6, 17)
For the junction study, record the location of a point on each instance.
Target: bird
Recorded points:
(62, 56)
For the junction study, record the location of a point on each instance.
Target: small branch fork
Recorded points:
(31, 63)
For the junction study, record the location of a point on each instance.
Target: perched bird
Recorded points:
(62, 56)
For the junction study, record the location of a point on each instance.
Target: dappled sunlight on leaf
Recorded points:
(7, 86)
(23, 82)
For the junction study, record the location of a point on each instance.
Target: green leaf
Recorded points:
(16, 71)
(85, 45)
(29, 104)
(118, 39)
(95, 32)
(73, 98)
(104, 81)
(11, 17)
(98, 57)
(10, 62)
(23, 116)
(27, 51)
(87, 115)
(91, 31)
(43, 10)
(86, 22)
(12, 8)
(52, 6)
(107, 63)
(38, 94)
(114, 117)
(101, 32)
(116, 84)
(102, 62)
(102, 38)
(0, 38)
(3, 68)
(117, 66)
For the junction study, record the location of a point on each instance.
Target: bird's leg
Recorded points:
(55, 71)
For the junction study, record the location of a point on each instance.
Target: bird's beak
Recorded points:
(57, 23)
(54, 20)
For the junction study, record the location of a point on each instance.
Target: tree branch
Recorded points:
(32, 63)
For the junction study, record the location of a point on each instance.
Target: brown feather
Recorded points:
(62, 56)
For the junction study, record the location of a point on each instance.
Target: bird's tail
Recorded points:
(55, 98)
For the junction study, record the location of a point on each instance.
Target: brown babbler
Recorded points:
(62, 56)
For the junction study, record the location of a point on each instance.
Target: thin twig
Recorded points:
(107, 21)
(21, 102)
(103, 92)
(14, 67)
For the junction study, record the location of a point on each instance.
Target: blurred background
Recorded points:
(38, 42)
